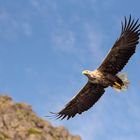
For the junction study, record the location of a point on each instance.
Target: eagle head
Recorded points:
(86, 72)
(90, 74)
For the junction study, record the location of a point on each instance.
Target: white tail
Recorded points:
(124, 78)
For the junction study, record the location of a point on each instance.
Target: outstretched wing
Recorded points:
(85, 99)
(123, 48)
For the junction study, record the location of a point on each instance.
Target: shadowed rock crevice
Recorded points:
(19, 122)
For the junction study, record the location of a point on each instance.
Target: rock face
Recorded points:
(19, 122)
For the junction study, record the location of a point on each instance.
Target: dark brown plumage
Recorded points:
(82, 101)
(123, 48)
(114, 62)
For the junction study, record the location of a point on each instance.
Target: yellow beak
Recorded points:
(84, 72)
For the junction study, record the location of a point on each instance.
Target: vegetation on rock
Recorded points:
(19, 122)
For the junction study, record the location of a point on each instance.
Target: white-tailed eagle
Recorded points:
(107, 73)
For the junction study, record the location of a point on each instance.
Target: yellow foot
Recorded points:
(117, 85)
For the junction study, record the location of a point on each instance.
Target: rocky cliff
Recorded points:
(19, 122)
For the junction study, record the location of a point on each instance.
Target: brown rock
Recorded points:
(19, 122)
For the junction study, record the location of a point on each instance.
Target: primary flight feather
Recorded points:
(107, 73)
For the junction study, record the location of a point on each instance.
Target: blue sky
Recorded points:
(44, 47)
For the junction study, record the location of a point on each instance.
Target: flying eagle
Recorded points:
(107, 73)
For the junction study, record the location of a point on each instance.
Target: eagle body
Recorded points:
(97, 77)
(105, 79)
(107, 74)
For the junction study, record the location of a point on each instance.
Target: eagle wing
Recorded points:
(84, 100)
(123, 48)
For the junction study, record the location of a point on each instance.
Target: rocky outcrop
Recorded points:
(19, 122)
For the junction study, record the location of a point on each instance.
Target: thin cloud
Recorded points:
(63, 41)
(12, 27)
(27, 29)
(94, 39)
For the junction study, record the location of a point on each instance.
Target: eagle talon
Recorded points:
(117, 85)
